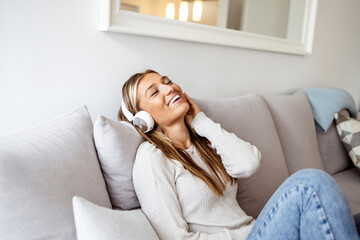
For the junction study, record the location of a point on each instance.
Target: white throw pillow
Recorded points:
(94, 222)
(116, 143)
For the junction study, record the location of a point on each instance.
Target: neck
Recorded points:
(178, 134)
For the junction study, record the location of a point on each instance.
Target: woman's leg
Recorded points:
(308, 205)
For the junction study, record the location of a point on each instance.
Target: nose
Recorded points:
(168, 89)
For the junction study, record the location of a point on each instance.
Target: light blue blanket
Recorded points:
(325, 102)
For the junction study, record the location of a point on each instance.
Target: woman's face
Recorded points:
(162, 99)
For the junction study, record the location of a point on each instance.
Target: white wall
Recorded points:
(53, 59)
(266, 17)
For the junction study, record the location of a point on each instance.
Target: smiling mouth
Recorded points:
(175, 100)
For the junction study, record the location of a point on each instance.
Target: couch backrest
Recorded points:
(41, 168)
(294, 122)
(249, 118)
(332, 152)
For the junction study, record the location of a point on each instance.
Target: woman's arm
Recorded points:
(240, 158)
(154, 182)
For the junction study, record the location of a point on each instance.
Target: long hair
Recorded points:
(218, 176)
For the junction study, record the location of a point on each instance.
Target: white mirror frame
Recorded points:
(115, 20)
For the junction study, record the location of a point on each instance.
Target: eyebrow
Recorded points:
(162, 78)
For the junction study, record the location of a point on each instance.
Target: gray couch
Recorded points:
(43, 166)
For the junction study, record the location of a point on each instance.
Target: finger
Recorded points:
(191, 102)
(188, 98)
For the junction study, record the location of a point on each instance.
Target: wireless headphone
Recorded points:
(142, 119)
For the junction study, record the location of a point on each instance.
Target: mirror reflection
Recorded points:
(276, 18)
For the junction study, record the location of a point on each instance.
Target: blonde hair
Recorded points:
(216, 180)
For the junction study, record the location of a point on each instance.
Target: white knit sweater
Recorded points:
(182, 206)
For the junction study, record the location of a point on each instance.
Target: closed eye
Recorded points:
(154, 93)
(169, 82)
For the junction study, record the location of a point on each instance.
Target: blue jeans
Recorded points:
(308, 205)
(357, 222)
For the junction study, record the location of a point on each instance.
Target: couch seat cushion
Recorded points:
(349, 181)
(41, 169)
(249, 118)
(355, 208)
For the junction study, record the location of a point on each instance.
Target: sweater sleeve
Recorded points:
(240, 158)
(154, 182)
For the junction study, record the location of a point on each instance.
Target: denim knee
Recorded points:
(313, 178)
(311, 172)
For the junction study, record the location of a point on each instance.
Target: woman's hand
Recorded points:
(193, 110)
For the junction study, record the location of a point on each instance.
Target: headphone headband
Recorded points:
(126, 112)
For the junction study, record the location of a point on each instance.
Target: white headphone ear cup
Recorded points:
(144, 121)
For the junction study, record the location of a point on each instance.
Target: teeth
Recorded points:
(174, 99)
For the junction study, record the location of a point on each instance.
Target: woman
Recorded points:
(185, 175)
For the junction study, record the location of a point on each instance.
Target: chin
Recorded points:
(180, 111)
(176, 113)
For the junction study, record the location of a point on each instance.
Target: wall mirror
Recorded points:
(285, 26)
